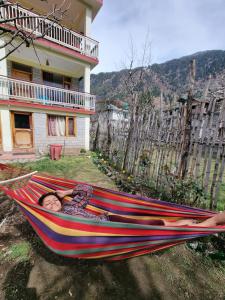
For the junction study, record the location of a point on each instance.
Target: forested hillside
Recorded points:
(170, 77)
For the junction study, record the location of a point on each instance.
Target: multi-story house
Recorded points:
(45, 90)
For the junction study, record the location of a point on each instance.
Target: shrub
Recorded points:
(82, 151)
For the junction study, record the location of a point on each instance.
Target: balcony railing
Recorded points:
(43, 94)
(53, 32)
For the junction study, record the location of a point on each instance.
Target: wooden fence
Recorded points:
(151, 146)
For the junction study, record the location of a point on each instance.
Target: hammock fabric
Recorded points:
(82, 238)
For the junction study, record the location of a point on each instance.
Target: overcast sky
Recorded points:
(176, 28)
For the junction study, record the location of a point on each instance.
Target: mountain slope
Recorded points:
(170, 77)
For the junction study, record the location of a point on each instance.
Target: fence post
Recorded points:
(186, 137)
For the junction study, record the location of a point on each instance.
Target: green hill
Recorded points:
(170, 77)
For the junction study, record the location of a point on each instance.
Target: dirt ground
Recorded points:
(177, 273)
(28, 270)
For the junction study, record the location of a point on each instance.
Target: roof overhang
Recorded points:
(95, 4)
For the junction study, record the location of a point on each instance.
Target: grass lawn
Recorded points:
(80, 168)
(176, 273)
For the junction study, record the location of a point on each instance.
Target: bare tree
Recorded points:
(140, 104)
(12, 25)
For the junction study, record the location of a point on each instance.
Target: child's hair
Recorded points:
(41, 199)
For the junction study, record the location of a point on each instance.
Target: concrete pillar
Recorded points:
(87, 79)
(87, 74)
(4, 89)
(3, 62)
(87, 83)
(88, 21)
(6, 130)
(87, 133)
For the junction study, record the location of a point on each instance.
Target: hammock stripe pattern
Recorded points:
(83, 238)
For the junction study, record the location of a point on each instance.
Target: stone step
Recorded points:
(17, 157)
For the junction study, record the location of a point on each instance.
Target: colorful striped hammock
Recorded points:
(72, 236)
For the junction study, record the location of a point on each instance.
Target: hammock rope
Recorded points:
(77, 237)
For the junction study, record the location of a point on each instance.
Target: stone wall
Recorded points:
(42, 140)
(9, 68)
(37, 75)
(75, 84)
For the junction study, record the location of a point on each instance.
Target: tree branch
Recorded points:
(18, 30)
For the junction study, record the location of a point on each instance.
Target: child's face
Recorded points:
(52, 202)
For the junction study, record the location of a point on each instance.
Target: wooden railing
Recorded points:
(44, 94)
(52, 31)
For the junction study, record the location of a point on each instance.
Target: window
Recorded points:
(22, 121)
(21, 72)
(57, 80)
(56, 126)
(71, 127)
(67, 83)
(20, 67)
(61, 126)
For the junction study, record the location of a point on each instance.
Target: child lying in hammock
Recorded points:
(81, 196)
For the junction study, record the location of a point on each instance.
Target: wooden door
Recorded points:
(19, 89)
(22, 130)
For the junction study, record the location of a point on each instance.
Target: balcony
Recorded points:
(53, 32)
(43, 94)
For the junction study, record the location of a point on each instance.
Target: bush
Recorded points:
(169, 188)
(82, 151)
(180, 191)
